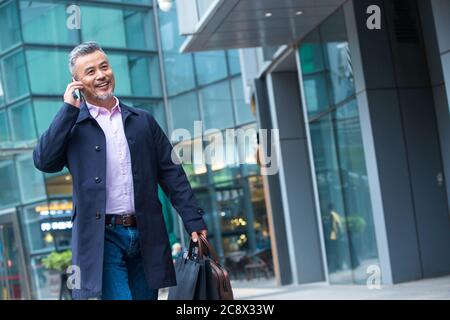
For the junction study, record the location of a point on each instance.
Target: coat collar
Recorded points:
(85, 114)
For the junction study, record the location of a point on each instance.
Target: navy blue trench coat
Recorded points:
(76, 141)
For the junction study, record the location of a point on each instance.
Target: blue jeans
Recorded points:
(123, 266)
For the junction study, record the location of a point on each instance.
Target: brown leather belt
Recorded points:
(126, 220)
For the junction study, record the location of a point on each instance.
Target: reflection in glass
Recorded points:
(233, 62)
(37, 238)
(156, 109)
(4, 131)
(179, 68)
(217, 107)
(243, 111)
(184, 109)
(210, 66)
(12, 284)
(338, 154)
(44, 111)
(31, 180)
(46, 283)
(49, 73)
(46, 23)
(145, 76)
(15, 68)
(9, 24)
(104, 25)
(21, 122)
(9, 186)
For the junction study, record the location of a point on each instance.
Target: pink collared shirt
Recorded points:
(119, 179)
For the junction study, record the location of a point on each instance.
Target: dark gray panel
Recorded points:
(442, 114)
(289, 114)
(431, 44)
(395, 185)
(430, 200)
(374, 48)
(279, 224)
(298, 182)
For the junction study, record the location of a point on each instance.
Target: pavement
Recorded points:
(427, 289)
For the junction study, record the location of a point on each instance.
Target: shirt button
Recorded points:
(97, 180)
(98, 148)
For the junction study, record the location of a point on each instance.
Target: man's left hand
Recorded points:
(195, 235)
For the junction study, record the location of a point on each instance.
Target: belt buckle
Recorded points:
(123, 220)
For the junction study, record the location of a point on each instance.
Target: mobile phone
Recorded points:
(76, 94)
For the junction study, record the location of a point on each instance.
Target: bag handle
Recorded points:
(204, 244)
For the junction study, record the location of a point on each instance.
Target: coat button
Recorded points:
(97, 180)
(98, 148)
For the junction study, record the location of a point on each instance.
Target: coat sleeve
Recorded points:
(49, 155)
(173, 180)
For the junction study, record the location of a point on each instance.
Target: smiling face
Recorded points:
(94, 71)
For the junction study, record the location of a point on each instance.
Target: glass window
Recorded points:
(4, 131)
(338, 153)
(17, 85)
(139, 30)
(216, 106)
(31, 180)
(119, 64)
(9, 24)
(179, 72)
(8, 191)
(36, 222)
(234, 62)
(248, 149)
(58, 184)
(49, 73)
(156, 109)
(2, 92)
(148, 2)
(145, 76)
(22, 122)
(46, 23)
(118, 28)
(210, 66)
(337, 57)
(311, 53)
(45, 284)
(316, 93)
(243, 111)
(179, 68)
(103, 25)
(355, 190)
(185, 111)
(171, 40)
(329, 187)
(314, 75)
(45, 110)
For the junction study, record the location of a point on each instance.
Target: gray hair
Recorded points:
(82, 50)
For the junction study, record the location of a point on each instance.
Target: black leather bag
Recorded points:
(213, 282)
(200, 276)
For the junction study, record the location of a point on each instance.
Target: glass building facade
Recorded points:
(142, 45)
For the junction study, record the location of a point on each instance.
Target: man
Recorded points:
(117, 156)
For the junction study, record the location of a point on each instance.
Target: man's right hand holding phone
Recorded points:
(68, 95)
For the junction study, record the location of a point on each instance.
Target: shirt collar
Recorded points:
(95, 110)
